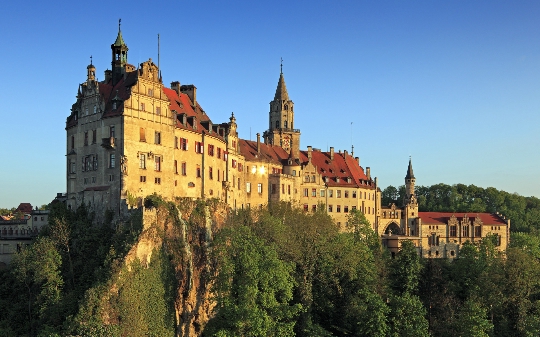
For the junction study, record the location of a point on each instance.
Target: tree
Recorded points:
(390, 195)
(405, 269)
(472, 320)
(407, 317)
(253, 287)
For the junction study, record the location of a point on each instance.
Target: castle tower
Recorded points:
(119, 57)
(410, 204)
(409, 181)
(281, 129)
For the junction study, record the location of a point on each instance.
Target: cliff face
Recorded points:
(163, 285)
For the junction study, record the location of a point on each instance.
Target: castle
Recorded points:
(129, 136)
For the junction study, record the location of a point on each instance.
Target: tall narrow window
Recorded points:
(142, 161)
(259, 188)
(158, 110)
(175, 142)
(142, 135)
(157, 163)
(85, 138)
(72, 142)
(94, 136)
(157, 139)
(210, 173)
(175, 167)
(112, 161)
(184, 168)
(111, 131)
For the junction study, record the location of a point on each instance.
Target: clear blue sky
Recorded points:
(454, 84)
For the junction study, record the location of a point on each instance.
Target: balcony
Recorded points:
(108, 143)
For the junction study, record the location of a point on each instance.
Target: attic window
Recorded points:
(349, 180)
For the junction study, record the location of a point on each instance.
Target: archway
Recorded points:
(392, 228)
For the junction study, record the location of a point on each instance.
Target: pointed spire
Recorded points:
(281, 90)
(119, 40)
(410, 174)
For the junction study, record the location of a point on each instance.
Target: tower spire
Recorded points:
(281, 66)
(410, 174)
(119, 56)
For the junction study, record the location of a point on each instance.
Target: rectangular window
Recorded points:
(289, 189)
(157, 180)
(282, 188)
(330, 193)
(248, 187)
(306, 207)
(157, 138)
(354, 194)
(346, 209)
(323, 194)
(111, 131)
(93, 180)
(72, 167)
(85, 138)
(465, 231)
(210, 173)
(338, 194)
(329, 208)
(184, 168)
(477, 231)
(150, 92)
(94, 136)
(158, 110)
(210, 150)
(338, 208)
(234, 163)
(346, 194)
(259, 188)
(306, 192)
(175, 142)
(183, 144)
(199, 147)
(112, 161)
(219, 152)
(453, 231)
(72, 142)
(354, 208)
(313, 192)
(175, 167)
(239, 183)
(142, 135)
(142, 107)
(95, 162)
(198, 171)
(142, 179)
(142, 161)
(218, 175)
(157, 166)
(274, 189)
(240, 167)
(314, 208)
(111, 177)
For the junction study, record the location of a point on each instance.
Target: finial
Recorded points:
(232, 114)
(90, 59)
(281, 66)
(119, 21)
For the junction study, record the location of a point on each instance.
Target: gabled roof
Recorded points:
(25, 207)
(443, 217)
(343, 166)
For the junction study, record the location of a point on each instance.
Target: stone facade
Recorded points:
(437, 234)
(130, 136)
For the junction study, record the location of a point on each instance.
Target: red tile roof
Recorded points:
(443, 217)
(270, 153)
(342, 166)
(25, 207)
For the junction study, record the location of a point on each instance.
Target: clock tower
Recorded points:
(281, 129)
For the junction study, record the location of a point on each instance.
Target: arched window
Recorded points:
(277, 124)
(285, 124)
(286, 107)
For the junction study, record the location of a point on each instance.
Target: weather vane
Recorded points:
(90, 59)
(281, 65)
(119, 21)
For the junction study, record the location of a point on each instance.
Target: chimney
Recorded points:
(358, 160)
(368, 172)
(331, 153)
(191, 91)
(108, 75)
(309, 154)
(176, 87)
(258, 142)
(344, 154)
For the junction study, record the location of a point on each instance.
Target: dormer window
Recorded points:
(349, 180)
(114, 106)
(337, 179)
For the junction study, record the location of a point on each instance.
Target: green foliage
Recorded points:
(405, 269)
(407, 317)
(472, 321)
(253, 288)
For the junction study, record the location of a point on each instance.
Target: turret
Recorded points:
(119, 57)
(409, 181)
